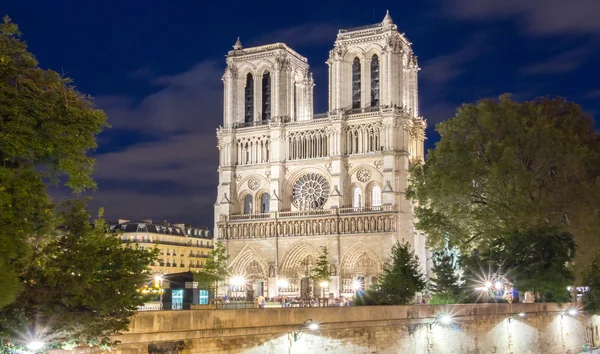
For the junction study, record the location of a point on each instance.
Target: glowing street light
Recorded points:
(498, 285)
(237, 281)
(570, 312)
(442, 318)
(356, 285)
(520, 314)
(35, 345)
(310, 324)
(283, 283)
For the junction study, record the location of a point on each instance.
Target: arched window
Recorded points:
(376, 196)
(264, 203)
(266, 96)
(248, 204)
(249, 103)
(356, 198)
(374, 81)
(356, 83)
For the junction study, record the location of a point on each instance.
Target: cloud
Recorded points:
(313, 34)
(173, 179)
(183, 102)
(444, 68)
(592, 94)
(539, 17)
(564, 62)
(168, 170)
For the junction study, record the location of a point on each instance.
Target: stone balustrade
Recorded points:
(308, 223)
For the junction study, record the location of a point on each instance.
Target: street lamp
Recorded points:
(520, 314)
(309, 324)
(35, 345)
(570, 312)
(158, 279)
(442, 318)
(283, 283)
(237, 281)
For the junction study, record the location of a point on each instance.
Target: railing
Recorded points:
(252, 124)
(150, 307)
(308, 213)
(360, 28)
(183, 244)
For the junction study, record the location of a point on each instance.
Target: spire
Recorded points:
(387, 20)
(237, 45)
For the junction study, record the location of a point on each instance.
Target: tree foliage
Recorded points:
(591, 298)
(322, 271)
(535, 260)
(215, 269)
(46, 129)
(446, 282)
(81, 287)
(503, 166)
(400, 280)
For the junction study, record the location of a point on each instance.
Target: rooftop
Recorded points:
(165, 228)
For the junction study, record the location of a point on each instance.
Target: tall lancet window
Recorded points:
(249, 99)
(357, 197)
(266, 96)
(376, 196)
(374, 81)
(356, 83)
(264, 203)
(248, 204)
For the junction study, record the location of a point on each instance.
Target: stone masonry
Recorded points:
(475, 329)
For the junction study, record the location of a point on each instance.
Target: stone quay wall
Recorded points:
(475, 329)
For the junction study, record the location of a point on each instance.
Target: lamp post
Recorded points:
(158, 280)
(520, 314)
(309, 324)
(443, 318)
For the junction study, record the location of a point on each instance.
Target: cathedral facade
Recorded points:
(292, 182)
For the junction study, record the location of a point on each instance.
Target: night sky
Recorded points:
(155, 67)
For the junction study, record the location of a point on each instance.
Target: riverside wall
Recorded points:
(475, 329)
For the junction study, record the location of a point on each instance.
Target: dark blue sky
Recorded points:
(155, 67)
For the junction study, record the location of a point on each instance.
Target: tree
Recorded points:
(215, 269)
(81, 287)
(591, 298)
(446, 285)
(400, 280)
(503, 166)
(321, 273)
(535, 260)
(46, 129)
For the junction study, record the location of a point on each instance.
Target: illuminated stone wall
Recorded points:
(478, 329)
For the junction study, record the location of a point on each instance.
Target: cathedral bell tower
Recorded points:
(373, 66)
(265, 87)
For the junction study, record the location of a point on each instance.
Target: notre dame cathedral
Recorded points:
(292, 182)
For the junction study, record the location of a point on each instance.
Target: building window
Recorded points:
(356, 83)
(356, 198)
(249, 94)
(264, 203)
(248, 204)
(374, 81)
(266, 96)
(376, 196)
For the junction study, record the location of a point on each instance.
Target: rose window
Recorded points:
(310, 192)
